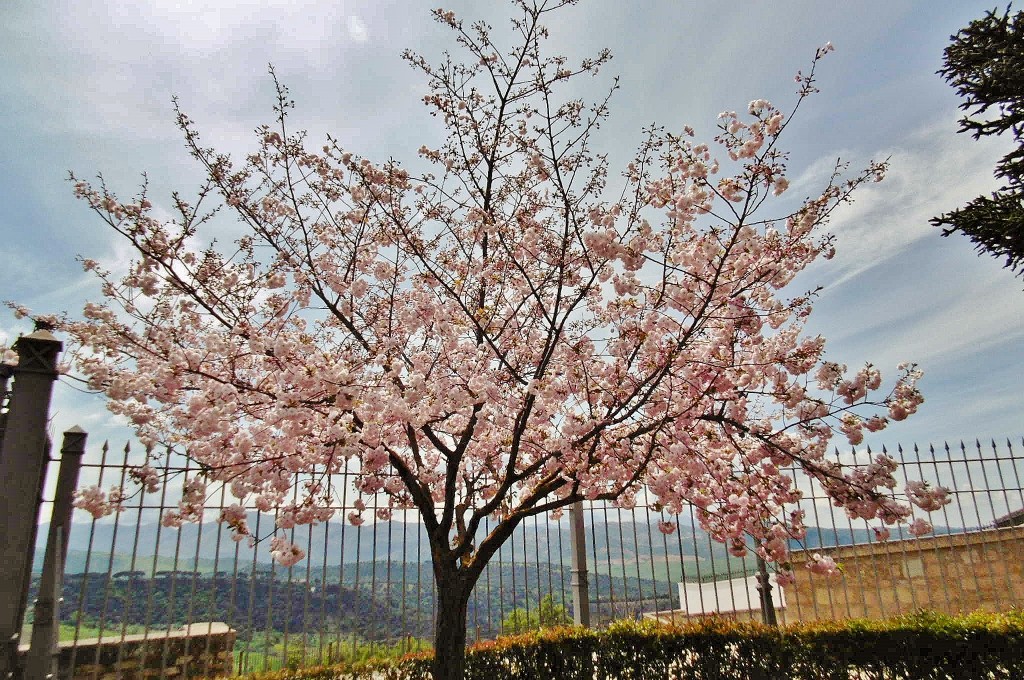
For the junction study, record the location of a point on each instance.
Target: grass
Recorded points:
(266, 651)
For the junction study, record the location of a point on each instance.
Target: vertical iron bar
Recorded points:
(547, 548)
(110, 558)
(928, 585)
(324, 633)
(290, 583)
(983, 552)
(373, 562)
(536, 565)
(608, 561)
(963, 528)
(250, 626)
(625, 574)
(156, 547)
(944, 566)
(86, 580)
(341, 564)
(487, 575)
(561, 561)
(406, 628)
(214, 587)
(129, 599)
(356, 592)
(997, 545)
(171, 596)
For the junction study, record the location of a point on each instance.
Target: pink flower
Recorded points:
(285, 553)
(822, 565)
(926, 497)
(492, 357)
(93, 500)
(146, 476)
(919, 527)
(785, 577)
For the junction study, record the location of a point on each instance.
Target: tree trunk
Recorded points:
(453, 591)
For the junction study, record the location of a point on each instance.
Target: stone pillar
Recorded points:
(23, 457)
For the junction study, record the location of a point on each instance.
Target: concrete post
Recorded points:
(45, 649)
(579, 582)
(23, 458)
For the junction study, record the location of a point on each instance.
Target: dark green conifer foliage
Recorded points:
(985, 63)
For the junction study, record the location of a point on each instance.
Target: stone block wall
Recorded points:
(956, 573)
(201, 650)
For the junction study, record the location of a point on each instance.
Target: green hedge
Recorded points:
(923, 645)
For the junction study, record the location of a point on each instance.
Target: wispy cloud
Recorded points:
(357, 29)
(932, 172)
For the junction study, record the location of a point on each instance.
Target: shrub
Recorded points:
(920, 645)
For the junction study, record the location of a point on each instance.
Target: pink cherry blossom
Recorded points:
(920, 527)
(822, 565)
(484, 335)
(284, 552)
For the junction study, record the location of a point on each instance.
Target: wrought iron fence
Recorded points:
(369, 589)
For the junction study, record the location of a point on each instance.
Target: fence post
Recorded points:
(23, 458)
(44, 652)
(45, 649)
(579, 583)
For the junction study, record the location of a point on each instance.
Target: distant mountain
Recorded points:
(375, 600)
(827, 537)
(343, 543)
(616, 544)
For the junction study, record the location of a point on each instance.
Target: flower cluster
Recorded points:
(98, 503)
(494, 339)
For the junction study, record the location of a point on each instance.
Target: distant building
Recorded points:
(735, 598)
(1010, 520)
(732, 596)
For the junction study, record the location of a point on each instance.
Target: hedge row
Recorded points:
(923, 645)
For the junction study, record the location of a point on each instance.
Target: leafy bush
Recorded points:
(922, 645)
(547, 614)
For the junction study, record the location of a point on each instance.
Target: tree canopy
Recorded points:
(985, 63)
(500, 335)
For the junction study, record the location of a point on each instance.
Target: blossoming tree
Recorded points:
(496, 338)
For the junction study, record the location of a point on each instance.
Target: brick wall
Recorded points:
(955, 574)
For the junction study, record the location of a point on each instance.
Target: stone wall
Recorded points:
(202, 650)
(957, 573)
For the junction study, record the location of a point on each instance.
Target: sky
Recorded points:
(87, 88)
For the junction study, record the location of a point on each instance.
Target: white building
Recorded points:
(732, 596)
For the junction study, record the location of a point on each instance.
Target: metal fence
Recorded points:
(369, 589)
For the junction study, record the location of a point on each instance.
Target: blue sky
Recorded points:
(87, 87)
